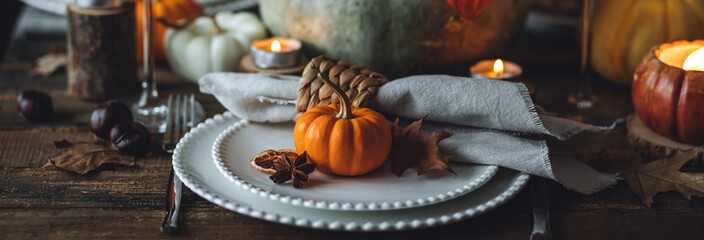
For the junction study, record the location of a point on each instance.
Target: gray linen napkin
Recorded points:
(494, 122)
(240, 92)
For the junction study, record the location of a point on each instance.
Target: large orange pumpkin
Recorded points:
(667, 98)
(172, 11)
(624, 30)
(352, 142)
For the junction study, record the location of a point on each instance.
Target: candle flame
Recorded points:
(695, 61)
(498, 67)
(276, 46)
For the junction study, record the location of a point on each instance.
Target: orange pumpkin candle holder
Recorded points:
(343, 139)
(668, 97)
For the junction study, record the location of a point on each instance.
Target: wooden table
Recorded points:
(129, 202)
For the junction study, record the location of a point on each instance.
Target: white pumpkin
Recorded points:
(212, 43)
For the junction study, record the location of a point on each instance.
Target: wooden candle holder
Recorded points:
(650, 145)
(101, 52)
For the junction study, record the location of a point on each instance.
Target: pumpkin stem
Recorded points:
(166, 23)
(345, 104)
(218, 29)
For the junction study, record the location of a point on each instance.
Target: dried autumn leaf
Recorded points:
(694, 165)
(83, 157)
(648, 179)
(411, 149)
(49, 63)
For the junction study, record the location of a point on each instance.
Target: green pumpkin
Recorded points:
(396, 37)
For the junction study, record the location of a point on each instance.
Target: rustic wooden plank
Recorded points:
(32, 148)
(113, 187)
(65, 197)
(627, 225)
(221, 224)
(216, 223)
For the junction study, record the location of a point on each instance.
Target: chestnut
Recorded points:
(130, 138)
(107, 115)
(35, 105)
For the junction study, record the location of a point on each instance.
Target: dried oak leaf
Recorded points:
(83, 157)
(648, 179)
(411, 149)
(694, 165)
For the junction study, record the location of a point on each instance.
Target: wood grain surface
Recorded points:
(128, 202)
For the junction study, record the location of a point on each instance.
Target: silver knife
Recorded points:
(541, 209)
(170, 224)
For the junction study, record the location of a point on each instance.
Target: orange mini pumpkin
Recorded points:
(352, 142)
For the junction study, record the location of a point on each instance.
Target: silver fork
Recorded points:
(182, 116)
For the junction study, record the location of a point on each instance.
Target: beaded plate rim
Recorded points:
(219, 157)
(182, 170)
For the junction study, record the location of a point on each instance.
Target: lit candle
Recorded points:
(695, 61)
(275, 46)
(496, 69)
(276, 52)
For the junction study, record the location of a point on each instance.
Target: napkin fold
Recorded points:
(495, 122)
(241, 94)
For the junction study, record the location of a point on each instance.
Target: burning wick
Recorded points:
(276, 46)
(498, 68)
(695, 61)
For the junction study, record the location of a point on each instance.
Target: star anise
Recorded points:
(297, 170)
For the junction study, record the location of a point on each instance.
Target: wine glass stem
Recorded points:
(585, 83)
(149, 109)
(149, 92)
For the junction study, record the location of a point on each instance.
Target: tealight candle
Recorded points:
(276, 52)
(496, 69)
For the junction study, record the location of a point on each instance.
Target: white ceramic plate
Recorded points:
(377, 190)
(194, 165)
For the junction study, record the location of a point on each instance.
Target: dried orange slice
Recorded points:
(264, 161)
